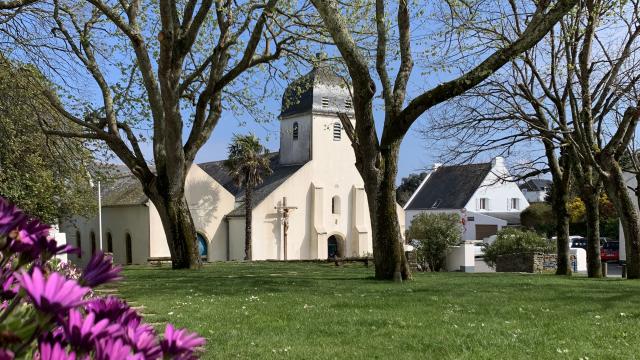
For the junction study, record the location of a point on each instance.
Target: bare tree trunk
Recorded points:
(591, 199)
(389, 257)
(560, 197)
(617, 191)
(179, 230)
(248, 218)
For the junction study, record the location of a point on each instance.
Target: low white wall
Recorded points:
(461, 258)
(581, 258)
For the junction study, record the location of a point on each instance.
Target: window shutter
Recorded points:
(488, 204)
(508, 203)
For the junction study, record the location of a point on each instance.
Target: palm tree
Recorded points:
(248, 164)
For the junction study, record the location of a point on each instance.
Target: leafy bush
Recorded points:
(539, 217)
(514, 241)
(432, 235)
(47, 311)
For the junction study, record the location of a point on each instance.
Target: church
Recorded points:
(312, 206)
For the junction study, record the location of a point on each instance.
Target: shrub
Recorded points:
(47, 311)
(514, 241)
(432, 235)
(539, 217)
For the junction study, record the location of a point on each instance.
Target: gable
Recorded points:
(449, 187)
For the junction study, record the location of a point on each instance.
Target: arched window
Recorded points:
(79, 244)
(128, 249)
(337, 131)
(93, 243)
(295, 131)
(109, 243)
(335, 205)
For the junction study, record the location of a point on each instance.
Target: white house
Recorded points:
(313, 170)
(480, 193)
(536, 190)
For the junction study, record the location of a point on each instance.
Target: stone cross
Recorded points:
(284, 209)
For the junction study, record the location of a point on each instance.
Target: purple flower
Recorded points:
(180, 344)
(81, 332)
(32, 231)
(111, 348)
(54, 294)
(100, 270)
(9, 287)
(6, 354)
(11, 217)
(113, 309)
(143, 339)
(55, 351)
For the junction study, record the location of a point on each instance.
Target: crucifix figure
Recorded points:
(284, 209)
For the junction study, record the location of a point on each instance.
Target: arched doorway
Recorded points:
(93, 243)
(203, 248)
(109, 243)
(128, 252)
(79, 244)
(335, 246)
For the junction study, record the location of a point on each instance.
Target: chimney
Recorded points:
(498, 161)
(436, 166)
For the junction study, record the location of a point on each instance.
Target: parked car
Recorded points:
(610, 251)
(581, 242)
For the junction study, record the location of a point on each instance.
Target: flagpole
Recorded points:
(100, 216)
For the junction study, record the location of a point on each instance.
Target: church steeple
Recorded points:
(319, 93)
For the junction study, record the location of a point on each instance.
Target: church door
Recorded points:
(202, 245)
(332, 244)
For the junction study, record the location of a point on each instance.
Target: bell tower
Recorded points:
(309, 124)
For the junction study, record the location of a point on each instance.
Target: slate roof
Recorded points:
(449, 187)
(121, 188)
(307, 92)
(536, 185)
(280, 173)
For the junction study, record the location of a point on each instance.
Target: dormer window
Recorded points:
(325, 102)
(347, 103)
(295, 131)
(337, 131)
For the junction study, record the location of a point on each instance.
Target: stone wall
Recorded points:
(529, 262)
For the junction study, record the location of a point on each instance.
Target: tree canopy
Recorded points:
(47, 177)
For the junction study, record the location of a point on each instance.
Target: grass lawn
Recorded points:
(319, 311)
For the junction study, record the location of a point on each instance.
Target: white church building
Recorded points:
(313, 172)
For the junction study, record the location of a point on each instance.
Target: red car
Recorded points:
(610, 251)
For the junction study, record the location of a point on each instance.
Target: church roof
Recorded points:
(280, 173)
(121, 188)
(449, 187)
(320, 90)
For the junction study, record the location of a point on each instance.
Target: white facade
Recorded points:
(136, 231)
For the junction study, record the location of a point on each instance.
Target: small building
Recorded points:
(314, 173)
(482, 194)
(536, 190)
